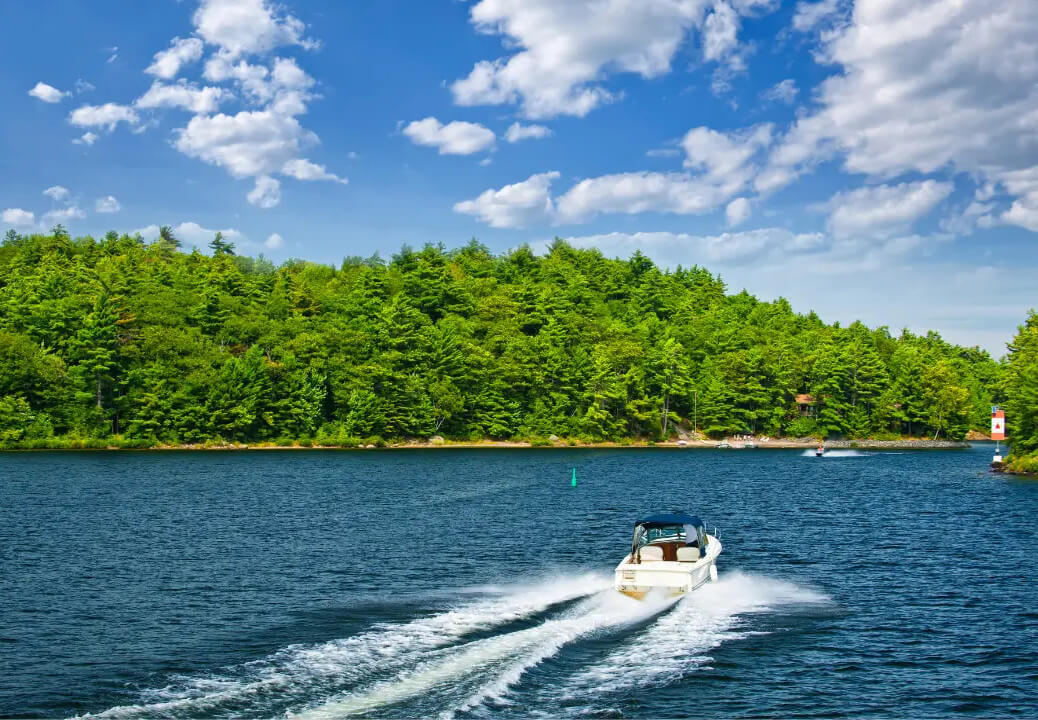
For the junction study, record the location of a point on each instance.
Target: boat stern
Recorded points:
(637, 579)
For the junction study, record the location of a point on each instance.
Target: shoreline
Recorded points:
(773, 444)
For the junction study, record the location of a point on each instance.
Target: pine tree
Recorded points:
(239, 396)
(220, 246)
(947, 402)
(667, 379)
(95, 351)
(829, 383)
(167, 242)
(1021, 387)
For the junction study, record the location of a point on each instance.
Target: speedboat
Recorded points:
(671, 552)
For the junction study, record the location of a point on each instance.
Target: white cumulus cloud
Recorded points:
(884, 210)
(720, 32)
(783, 92)
(105, 116)
(107, 204)
(47, 93)
(514, 205)
(18, 217)
(672, 249)
(809, 15)
(738, 211)
(274, 241)
(517, 132)
(63, 215)
(58, 193)
(262, 141)
(243, 27)
(930, 87)
(638, 192)
(563, 49)
(302, 169)
(246, 144)
(266, 193)
(721, 166)
(284, 83)
(167, 63)
(728, 159)
(184, 95)
(454, 138)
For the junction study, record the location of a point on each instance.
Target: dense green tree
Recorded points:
(167, 241)
(1021, 387)
(239, 397)
(154, 345)
(94, 355)
(219, 246)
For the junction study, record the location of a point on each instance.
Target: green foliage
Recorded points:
(802, 427)
(16, 417)
(1021, 388)
(116, 342)
(1020, 463)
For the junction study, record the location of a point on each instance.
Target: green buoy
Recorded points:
(573, 482)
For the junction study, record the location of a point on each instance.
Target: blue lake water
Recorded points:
(478, 584)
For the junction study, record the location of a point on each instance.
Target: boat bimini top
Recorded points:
(670, 530)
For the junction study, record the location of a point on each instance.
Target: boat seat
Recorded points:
(688, 554)
(651, 553)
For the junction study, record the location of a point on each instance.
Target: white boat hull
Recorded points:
(668, 577)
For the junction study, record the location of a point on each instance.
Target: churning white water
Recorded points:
(471, 673)
(678, 642)
(430, 666)
(302, 670)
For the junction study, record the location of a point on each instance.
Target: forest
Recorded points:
(1020, 382)
(118, 342)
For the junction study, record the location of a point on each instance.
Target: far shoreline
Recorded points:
(736, 445)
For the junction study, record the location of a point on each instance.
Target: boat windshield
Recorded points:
(664, 533)
(692, 535)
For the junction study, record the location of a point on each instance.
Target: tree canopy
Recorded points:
(1021, 392)
(116, 340)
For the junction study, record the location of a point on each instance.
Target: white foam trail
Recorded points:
(493, 664)
(836, 453)
(299, 669)
(679, 641)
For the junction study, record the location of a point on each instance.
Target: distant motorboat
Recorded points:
(670, 552)
(724, 445)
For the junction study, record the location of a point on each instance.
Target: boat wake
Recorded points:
(298, 672)
(836, 453)
(463, 677)
(679, 642)
(455, 662)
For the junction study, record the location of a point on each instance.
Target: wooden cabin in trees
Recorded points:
(806, 405)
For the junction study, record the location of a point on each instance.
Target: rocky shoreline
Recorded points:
(704, 444)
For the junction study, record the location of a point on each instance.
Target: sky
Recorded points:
(873, 160)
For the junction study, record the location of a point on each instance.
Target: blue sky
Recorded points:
(869, 160)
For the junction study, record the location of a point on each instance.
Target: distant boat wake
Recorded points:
(479, 654)
(836, 453)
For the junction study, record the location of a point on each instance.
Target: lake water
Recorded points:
(478, 584)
